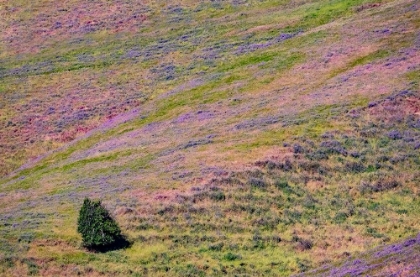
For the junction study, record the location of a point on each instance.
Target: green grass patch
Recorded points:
(371, 57)
(103, 158)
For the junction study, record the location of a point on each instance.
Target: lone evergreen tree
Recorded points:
(98, 229)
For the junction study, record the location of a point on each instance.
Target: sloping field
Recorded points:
(247, 138)
(400, 259)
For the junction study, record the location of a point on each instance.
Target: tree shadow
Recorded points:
(120, 242)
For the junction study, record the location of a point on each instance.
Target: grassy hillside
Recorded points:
(226, 137)
(400, 259)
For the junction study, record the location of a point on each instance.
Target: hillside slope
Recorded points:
(400, 259)
(226, 137)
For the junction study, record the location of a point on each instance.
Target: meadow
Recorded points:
(239, 138)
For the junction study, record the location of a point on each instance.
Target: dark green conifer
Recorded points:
(98, 229)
